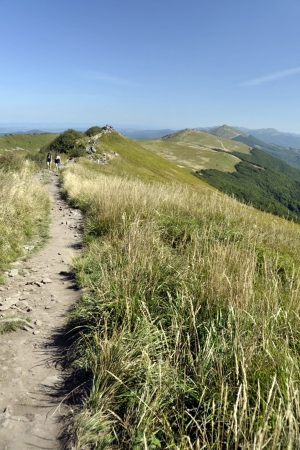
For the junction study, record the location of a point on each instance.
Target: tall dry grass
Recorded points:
(190, 327)
(24, 209)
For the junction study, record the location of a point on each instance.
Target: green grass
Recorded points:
(188, 331)
(12, 323)
(24, 211)
(196, 150)
(135, 161)
(28, 142)
(191, 156)
(207, 140)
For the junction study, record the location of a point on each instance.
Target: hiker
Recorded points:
(104, 158)
(57, 161)
(49, 160)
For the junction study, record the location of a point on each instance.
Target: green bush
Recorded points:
(66, 142)
(38, 158)
(93, 131)
(78, 150)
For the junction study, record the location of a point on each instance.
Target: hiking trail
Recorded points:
(32, 380)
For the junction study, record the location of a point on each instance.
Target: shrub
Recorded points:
(93, 131)
(65, 142)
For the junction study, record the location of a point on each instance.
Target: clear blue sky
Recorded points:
(166, 63)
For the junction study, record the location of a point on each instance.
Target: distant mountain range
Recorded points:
(24, 132)
(285, 146)
(145, 134)
(266, 135)
(272, 136)
(261, 139)
(224, 131)
(287, 154)
(263, 136)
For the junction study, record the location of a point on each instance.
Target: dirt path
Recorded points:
(31, 376)
(222, 145)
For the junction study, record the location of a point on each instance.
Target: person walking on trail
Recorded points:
(49, 161)
(57, 161)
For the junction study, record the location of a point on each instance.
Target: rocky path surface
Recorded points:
(31, 375)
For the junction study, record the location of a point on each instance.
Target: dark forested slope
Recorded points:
(265, 182)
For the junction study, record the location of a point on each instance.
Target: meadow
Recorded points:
(187, 335)
(196, 151)
(28, 142)
(24, 207)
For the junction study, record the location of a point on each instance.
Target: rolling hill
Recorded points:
(27, 142)
(196, 150)
(289, 155)
(226, 132)
(252, 175)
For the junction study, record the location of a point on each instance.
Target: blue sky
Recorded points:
(154, 64)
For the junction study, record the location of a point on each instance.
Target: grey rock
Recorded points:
(13, 273)
(22, 305)
(46, 280)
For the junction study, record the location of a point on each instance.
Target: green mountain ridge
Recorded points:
(255, 177)
(288, 154)
(226, 132)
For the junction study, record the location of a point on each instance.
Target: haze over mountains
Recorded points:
(285, 146)
(263, 136)
(266, 135)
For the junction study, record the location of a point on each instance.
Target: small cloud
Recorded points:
(271, 77)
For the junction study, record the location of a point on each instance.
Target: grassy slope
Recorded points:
(27, 142)
(274, 190)
(189, 325)
(134, 161)
(196, 150)
(24, 211)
